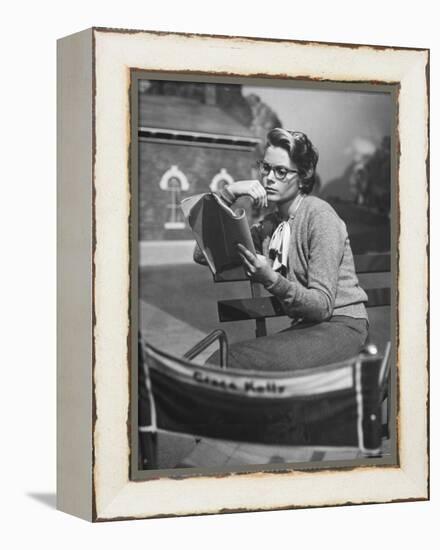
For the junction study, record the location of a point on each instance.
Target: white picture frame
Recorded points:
(94, 339)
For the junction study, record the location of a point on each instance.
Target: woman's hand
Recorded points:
(257, 267)
(253, 188)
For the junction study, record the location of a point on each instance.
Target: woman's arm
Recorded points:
(198, 256)
(326, 236)
(251, 188)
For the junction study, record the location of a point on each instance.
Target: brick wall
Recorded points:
(199, 164)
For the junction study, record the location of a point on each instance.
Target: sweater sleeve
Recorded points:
(326, 235)
(198, 255)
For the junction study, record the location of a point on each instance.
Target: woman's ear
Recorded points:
(308, 173)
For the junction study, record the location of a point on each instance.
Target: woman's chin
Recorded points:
(272, 197)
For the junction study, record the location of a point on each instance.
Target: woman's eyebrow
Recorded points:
(277, 165)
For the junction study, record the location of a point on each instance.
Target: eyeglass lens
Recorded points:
(279, 171)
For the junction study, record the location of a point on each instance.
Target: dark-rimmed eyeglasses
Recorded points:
(281, 172)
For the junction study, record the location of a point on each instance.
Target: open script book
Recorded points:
(217, 230)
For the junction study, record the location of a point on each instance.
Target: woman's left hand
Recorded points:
(257, 267)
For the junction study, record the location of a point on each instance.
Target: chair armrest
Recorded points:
(219, 335)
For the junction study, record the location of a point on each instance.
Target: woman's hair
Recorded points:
(301, 151)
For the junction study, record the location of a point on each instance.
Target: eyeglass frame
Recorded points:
(261, 163)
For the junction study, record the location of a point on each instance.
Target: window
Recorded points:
(221, 179)
(174, 182)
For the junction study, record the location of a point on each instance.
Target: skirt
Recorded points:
(299, 347)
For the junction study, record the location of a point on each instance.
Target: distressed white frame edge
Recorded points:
(115, 495)
(74, 274)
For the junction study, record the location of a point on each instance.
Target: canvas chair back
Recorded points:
(333, 405)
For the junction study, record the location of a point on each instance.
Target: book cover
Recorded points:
(217, 230)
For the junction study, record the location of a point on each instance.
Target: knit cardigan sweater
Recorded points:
(321, 280)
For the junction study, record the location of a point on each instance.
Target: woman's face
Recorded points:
(280, 190)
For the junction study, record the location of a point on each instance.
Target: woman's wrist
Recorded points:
(272, 280)
(252, 188)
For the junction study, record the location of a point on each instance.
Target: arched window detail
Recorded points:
(174, 182)
(220, 180)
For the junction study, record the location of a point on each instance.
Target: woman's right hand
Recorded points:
(252, 188)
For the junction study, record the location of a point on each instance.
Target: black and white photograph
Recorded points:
(265, 275)
(219, 282)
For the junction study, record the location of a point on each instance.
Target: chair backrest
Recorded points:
(373, 271)
(333, 405)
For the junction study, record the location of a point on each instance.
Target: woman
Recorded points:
(304, 259)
